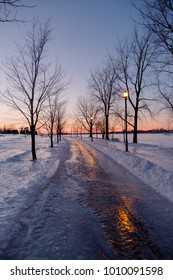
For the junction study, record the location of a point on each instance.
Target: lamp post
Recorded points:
(126, 95)
(91, 128)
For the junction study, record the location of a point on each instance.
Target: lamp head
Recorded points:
(125, 94)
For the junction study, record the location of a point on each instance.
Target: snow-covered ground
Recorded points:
(151, 159)
(21, 178)
(157, 148)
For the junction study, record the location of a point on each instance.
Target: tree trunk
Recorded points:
(57, 135)
(51, 139)
(91, 130)
(135, 132)
(107, 127)
(124, 136)
(34, 157)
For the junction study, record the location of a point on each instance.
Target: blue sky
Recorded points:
(84, 32)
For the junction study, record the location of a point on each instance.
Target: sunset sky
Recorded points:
(84, 32)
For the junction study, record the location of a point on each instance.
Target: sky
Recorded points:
(84, 32)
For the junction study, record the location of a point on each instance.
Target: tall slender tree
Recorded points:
(60, 118)
(30, 82)
(86, 113)
(102, 87)
(134, 60)
(49, 117)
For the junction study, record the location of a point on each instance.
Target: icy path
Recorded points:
(56, 225)
(141, 164)
(93, 208)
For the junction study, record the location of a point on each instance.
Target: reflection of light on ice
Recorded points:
(124, 222)
(91, 162)
(154, 175)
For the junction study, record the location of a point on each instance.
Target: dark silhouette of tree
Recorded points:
(101, 86)
(30, 82)
(86, 113)
(61, 118)
(157, 17)
(49, 116)
(134, 60)
(54, 117)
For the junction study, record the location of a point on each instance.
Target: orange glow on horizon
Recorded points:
(162, 122)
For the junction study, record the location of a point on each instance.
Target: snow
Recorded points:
(151, 160)
(20, 178)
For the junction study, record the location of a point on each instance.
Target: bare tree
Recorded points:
(60, 118)
(54, 117)
(30, 83)
(8, 10)
(49, 116)
(102, 87)
(157, 17)
(86, 113)
(165, 90)
(134, 60)
(100, 126)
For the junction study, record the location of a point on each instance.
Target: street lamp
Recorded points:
(91, 127)
(126, 96)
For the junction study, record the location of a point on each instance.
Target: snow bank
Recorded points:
(21, 178)
(160, 179)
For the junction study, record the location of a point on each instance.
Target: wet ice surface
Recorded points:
(137, 222)
(93, 208)
(141, 163)
(56, 225)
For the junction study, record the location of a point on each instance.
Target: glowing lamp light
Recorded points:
(125, 94)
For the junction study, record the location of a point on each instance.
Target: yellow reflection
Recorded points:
(124, 221)
(91, 163)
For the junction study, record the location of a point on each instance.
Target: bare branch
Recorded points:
(30, 82)
(102, 84)
(135, 57)
(8, 10)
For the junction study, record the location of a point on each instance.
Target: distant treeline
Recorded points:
(161, 130)
(15, 131)
(27, 132)
(9, 131)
